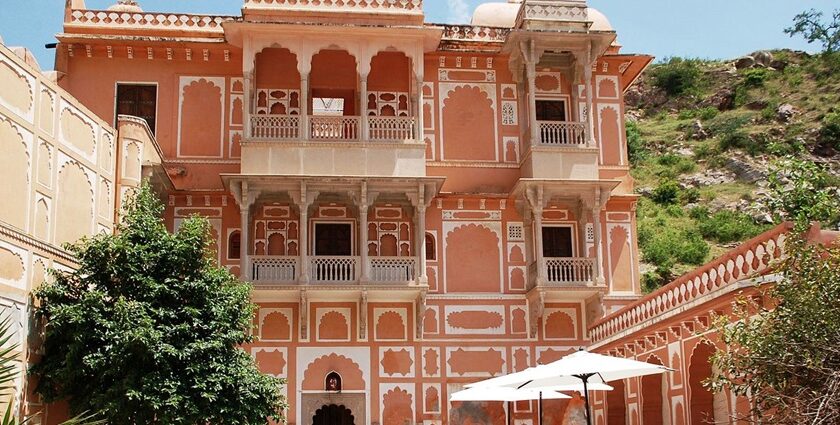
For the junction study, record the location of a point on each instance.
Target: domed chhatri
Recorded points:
(125, 6)
(504, 15)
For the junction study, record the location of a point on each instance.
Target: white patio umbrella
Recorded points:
(509, 394)
(576, 369)
(506, 394)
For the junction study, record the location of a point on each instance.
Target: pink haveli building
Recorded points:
(418, 206)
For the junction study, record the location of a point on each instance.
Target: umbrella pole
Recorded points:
(510, 413)
(585, 378)
(540, 409)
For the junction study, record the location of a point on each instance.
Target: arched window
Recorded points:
(332, 382)
(431, 255)
(234, 245)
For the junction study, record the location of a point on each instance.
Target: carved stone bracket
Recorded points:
(304, 315)
(536, 307)
(363, 308)
(419, 313)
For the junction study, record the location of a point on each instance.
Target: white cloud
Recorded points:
(459, 11)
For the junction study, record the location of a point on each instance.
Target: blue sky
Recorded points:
(664, 28)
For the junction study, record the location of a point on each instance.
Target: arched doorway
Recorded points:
(652, 399)
(616, 407)
(333, 414)
(702, 400)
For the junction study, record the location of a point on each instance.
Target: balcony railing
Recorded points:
(334, 269)
(329, 128)
(274, 269)
(279, 127)
(392, 269)
(334, 128)
(568, 270)
(562, 133)
(271, 269)
(391, 128)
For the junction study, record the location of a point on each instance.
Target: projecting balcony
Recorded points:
(333, 270)
(330, 128)
(559, 272)
(561, 151)
(562, 133)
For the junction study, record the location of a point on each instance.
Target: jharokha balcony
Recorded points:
(333, 128)
(332, 270)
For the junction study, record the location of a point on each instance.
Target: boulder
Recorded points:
(756, 105)
(762, 58)
(785, 112)
(697, 131)
(744, 171)
(778, 64)
(707, 178)
(723, 100)
(744, 62)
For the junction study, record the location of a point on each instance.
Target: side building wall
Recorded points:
(62, 169)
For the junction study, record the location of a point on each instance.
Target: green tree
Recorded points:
(810, 25)
(10, 370)
(147, 329)
(786, 356)
(801, 191)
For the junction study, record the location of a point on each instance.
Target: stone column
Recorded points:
(538, 242)
(418, 121)
(244, 241)
(304, 106)
(596, 227)
(590, 94)
(420, 231)
(363, 234)
(248, 102)
(531, 71)
(246, 199)
(363, 101)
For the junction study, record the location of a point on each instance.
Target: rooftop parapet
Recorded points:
(401, 12)
(566, 15)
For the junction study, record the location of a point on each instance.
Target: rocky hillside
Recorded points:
(704, 137)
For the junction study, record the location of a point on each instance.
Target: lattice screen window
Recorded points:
(387, 104)
(515, 232)
(278, 102)
(590, 232)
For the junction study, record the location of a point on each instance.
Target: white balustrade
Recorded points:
(334, 128)
(561, 133)
(569, 270)
(328, 269)
(392, 269)
(277, 127)
(275, 269)
(391, 128)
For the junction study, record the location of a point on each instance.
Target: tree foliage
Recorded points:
(810, 24)
(147, 330)
(676, 76)
(10, 370)
(786, 357)
(802, 191)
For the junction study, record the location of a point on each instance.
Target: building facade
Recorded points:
(63, 170)
(418, 206)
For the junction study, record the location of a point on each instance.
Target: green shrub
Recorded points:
(667, 193)
(755, 77)
(676, 77)
(728, 123)
(675, 165)
(689, 196)
(704, 114)
(636, 149)
(668, 246)
(727, 226)
(830, 130)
